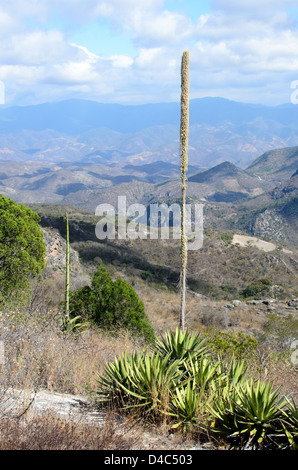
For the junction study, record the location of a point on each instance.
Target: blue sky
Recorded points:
(129, 51)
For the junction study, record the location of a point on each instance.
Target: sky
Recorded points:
(129, 51)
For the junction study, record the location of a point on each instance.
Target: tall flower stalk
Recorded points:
(67, 272)
(184, 129)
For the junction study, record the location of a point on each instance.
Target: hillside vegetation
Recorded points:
(220, 269)
(225, 380)
(96, 362)
(275, 165)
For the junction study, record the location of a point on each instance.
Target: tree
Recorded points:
(184, 124)
(22, 250)
(112, 305)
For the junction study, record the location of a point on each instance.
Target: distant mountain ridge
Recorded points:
(243, 159)
(88, 182)
(276, 165)
(78, 116)
(220, 130)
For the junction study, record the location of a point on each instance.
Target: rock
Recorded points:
(236, 302)
(56, 251)
(267, 302)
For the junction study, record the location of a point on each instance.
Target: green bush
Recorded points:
(226, 237)
(22, 250)
(238, 344)
(112, 305)
(257, 289)
(145, 275)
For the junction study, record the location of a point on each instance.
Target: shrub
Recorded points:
(112, 305)
(257, 289)
(145, 275)
(238, 344)
(22, 249)
(227, 238)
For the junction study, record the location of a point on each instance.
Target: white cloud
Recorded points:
(121, 61)
(164, 28)
(37, 47)
(7, 22)
(147, 57)
(90, 55)
(237, 49)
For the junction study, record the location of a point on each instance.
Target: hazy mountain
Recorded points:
(75, 117)
(223, 183)
(82, 181)
(87, 183)
(220, 130)
(276, 165)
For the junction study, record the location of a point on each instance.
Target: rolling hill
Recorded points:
(275, 165)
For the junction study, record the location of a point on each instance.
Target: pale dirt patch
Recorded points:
(245, 240)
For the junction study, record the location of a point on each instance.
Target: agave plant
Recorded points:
(156, 378)
(180, 345)
(186, 402)
(252, 418)
(231, 374)
(289, 423)
(141, 381)
(74, 325)
(205, 373)
(115, 384)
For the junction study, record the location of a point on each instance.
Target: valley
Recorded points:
(76, 155)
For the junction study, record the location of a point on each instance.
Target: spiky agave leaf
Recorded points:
(290, 423)
(140, 381)
(74, 325)
(205, 372)
(186, 406)
(252, 417)
(180, 345)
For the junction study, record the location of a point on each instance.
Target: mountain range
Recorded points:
(85, 131)
(84, 154)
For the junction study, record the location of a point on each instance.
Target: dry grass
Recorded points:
(38, 353)
(162, 308)
(39, 356)
(49, 432)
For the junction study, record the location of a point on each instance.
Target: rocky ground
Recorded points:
(78, 408)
